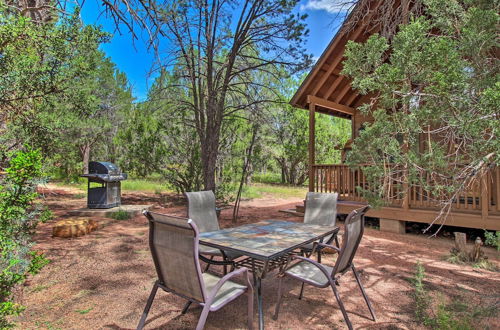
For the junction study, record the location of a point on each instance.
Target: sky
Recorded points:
(135, 60)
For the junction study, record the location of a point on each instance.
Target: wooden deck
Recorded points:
(476, 208)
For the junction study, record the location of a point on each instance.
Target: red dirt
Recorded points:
(102, 280)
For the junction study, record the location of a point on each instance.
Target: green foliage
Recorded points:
(456, 315)
(157, 138)
(268, 177)
(20, 213)
(84, 311)
(492, 239)
(288, 136)
(436, 101)
(66, 90)
(120, 215)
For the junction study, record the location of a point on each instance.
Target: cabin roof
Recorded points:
(325, 85)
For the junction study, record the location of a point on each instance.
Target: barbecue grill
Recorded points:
(108, 193)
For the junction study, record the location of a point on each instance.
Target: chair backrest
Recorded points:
(353, 232)
(174, 247)
(201, 209)
(321, 208)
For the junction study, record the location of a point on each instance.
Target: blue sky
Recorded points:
(135, 60)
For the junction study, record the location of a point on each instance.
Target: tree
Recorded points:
(216, 45)
(37, 62)
(436, 101)
(288, 130)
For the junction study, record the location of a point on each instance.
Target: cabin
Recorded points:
(325, 90)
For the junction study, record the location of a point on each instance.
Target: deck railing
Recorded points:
(482, 195)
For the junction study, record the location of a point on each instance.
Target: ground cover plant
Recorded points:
(437, 312)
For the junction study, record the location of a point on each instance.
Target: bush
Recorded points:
(120, 215)
(492, 239)
(20, 213)
(268, 177)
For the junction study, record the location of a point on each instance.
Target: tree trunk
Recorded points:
(86, 158)
(209, 152)
(244, 172)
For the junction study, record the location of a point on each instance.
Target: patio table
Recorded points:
(266, 246)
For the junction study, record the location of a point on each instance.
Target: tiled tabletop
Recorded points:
(266, 239)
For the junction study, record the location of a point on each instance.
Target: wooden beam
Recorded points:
(326, 67)
(330, 105)
(455, 218)
(312, 128)
(343, 92)
(351, 98)
(334, 86)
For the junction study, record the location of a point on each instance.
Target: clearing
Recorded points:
(103, 279)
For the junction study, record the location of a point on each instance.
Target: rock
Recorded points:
(73, 227)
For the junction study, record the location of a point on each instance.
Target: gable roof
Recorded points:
(325, 82)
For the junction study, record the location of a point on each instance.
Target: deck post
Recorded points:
(312, 128)
(485, 196)
(392, 226)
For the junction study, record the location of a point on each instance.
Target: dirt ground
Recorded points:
(102, 280)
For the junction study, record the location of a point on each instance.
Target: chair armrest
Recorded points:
(323, 245)
(227, 277)
(317, 264)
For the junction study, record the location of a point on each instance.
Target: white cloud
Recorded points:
(331, 6)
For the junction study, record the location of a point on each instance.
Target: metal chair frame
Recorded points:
(336, 272)
(208, 297)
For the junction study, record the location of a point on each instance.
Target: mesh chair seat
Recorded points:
(229, 291)
(308, 272)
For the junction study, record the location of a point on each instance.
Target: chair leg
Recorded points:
(278, 304)
(372, 312)
(301, 290)
(203, 317)
(250, 307)
(148, 306)
(337, 241)
(319, 256)
(341, 305)
(208, 264)
(186, 307)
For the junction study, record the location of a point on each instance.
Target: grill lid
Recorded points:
(103, 168)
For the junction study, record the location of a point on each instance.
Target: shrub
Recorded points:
(120, 215)
(492, 239)
(20, 213)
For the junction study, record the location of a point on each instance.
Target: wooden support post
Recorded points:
(393, 226)
(485, 196)
(312, 158)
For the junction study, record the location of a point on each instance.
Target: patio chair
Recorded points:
(174, 247)
(321, 209)
(322, 276)
(202, 210)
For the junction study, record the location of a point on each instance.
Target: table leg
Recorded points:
(258, 284)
